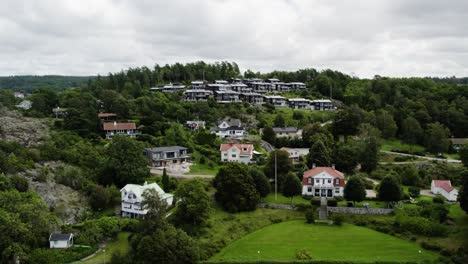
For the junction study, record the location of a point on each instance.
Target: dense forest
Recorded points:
(29, 83)
(418, 111)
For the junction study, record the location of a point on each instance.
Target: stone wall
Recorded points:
(360, 210)
(276, 206)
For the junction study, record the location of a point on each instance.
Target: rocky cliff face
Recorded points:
(24, 130)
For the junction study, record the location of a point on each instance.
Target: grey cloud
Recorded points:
(365, 37)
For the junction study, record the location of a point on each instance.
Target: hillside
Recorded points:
(28, 83)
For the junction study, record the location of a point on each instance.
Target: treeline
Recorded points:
(29, 83)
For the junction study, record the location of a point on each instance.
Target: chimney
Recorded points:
(313, 166)
(115, 123)
(333, 166)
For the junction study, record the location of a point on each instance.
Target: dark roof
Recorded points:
(459, 141)
(284, 129)
(231, 122)
(166, 149)
(57, 236)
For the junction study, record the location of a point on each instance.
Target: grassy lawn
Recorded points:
(397, 145)
(281, 199)
(348, 242)
(203, 169)
(119, 245)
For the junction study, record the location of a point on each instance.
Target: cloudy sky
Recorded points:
(363, 38)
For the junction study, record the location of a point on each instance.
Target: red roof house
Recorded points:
(444, 188)
(233, 152)
(323, 182)
(115, 128)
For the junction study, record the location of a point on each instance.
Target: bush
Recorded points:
(303, 254)
(20, 183)
(332, 202)
(337, 219)
(339, 198)
(438, 199)
(429, 246)
(303, 207)
(202, 160)
(310, 216)
(350, 204)
(414, 191)
(315, 202)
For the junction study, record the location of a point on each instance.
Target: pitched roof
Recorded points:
(459, 141)
(139, 189)
(101, 115)
(444, 184)
(231, 122)
(60, 237)
(119, 126)
(249, 147)
(165, 149)
(317, 170)
(285, 129)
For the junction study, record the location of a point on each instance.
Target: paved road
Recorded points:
(422, 157)
(371, 193)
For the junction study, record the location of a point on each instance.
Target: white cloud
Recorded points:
(365, 37)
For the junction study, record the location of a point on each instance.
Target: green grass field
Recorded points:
(348, 242)
(120, 244)
(398, 145)
(281, 199)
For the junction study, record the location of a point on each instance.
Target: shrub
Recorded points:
(310, 216)
(430, 246)
(337, 219)
(339, 198)
(414, 191)
(302, 207)
(315, 202)
(332, 202)
(303, 254)
(349, 204)
(20, 183)
(202, 160)
(438, 199)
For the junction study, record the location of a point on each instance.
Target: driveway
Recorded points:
(371, 194)
(180, 175)
(427, 193)
(422, 157)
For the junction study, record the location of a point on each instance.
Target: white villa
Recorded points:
(132, 199)
(295, 154)
(323, 182)
(229, 128)
(444, 188)
(57, 240)
(26, 105)
(232, 152)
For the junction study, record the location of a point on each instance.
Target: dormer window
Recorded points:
(309, 180)
(337, 181)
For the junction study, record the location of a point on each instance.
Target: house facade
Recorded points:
(132, 199)
(195, 125)
(229, 128)
(57, 240)
(168, 88)
(299, 103)
(198, 85)
(323, 182)
(444, 188)
(107, 116)
(276, 100)
(322, 105)
(297, 85)
(226, 97)
(252, 98)
(242, 153)
(26, 105)
(292, 132)
(127, 129)
(296, 154)
(163, 156)
(196, 95)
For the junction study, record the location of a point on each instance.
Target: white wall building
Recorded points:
(295, 154)
(323, 182)
(444, 188)
(57, 240)
(229, 128)
(232, 152)
(132, 198)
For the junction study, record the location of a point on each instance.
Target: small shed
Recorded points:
(57, 240)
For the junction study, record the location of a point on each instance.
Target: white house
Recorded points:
(444, 188)
(291, 132)
(232, 152)
(128, 129)
(26, 105)
(295, 154)
(57, 240)
(323, 182)
(132, 199)
(229, 128)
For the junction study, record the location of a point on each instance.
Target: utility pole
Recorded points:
(276, 178)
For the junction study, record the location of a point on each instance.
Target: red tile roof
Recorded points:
(444, 184)
(101, 115)
(317, 170)
(119, 126)
(240, 147)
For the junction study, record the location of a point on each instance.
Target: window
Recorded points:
(337, 181)
(329, 180)
(317, 181)
(233, 155)
(309, 189)
(225, 154)
(337, 190)
(309, 180)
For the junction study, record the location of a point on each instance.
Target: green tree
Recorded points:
(291, 186)
(126, 162)
(269, 135)
(463, 194)
(347, 121)
(389, 190)
(411, 131)
(346, 157)
(20, 183)
(279, 121)
(355, 189)
(319, 154)
(369, 157)
(235, 189)
(385, 123)
(283, 165)
(464, 154)
(437, 138)
(193, 206)
(261, 181)
(98, 198)
(165, 181)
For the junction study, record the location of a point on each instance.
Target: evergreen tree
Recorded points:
(193, 206)
(355, 189)
(319, 154)
(261, 181)
(269, 135)
(389, 190)
(370, 155)
(463, 194)
(165, 181)
(291, 186)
